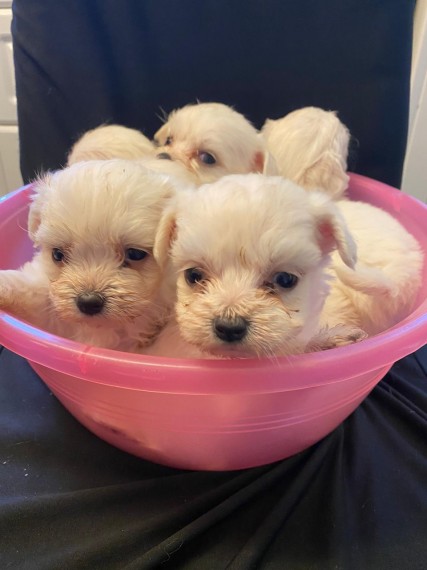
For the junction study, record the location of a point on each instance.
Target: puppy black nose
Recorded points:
(164, 155)
(90, 303)
(230, 330)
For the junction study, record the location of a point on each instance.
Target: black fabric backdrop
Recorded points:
(84, 62)
(356, 500)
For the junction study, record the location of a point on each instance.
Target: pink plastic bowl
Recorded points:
(213, 415)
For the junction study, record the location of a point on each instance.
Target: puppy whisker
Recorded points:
(162, 115)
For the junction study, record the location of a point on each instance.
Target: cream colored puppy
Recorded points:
(114, 141)
(211, 140)
(93, 278)
(310, 147)
(265, 268)
(111, 141)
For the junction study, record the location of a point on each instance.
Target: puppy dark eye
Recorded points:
(285, 280)
(132, 254)
(58, 255)
(193, 275)
(207, 158)
(168, 141)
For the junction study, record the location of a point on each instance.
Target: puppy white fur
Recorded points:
(174, 169)
(265, 268)
(111, 141)
(94, 278)
(310, 147)
(211, 140)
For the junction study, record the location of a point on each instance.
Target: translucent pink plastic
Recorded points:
(213, 415)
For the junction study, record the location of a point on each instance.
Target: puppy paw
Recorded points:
(22, 299)
(333, 337)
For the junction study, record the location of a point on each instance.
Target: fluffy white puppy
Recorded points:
(94, 278)
(265, 268)
(211, 140)
(111, 141)
(310, 147)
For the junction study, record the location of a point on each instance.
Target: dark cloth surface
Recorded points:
(356, 500)
(85, 62)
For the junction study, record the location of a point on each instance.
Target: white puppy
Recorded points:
(114, 141)
(310, 147)
(94, 278)
(211, 140)
(111, 141)
(265, 268)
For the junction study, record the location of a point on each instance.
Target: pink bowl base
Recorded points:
(158, 427)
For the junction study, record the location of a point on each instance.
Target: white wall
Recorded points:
(415, 169)
(10, 176)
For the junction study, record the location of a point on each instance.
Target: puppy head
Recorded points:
(310, 146)
(211, 140)
(111, 141)
(250, 254)
(95, 224)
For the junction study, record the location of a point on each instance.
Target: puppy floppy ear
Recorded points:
(327, 173)
(270, 165)
(165, 236)
(38, 200)
(262, 160)
(161, 134)
(331, 229)
(258, 162)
